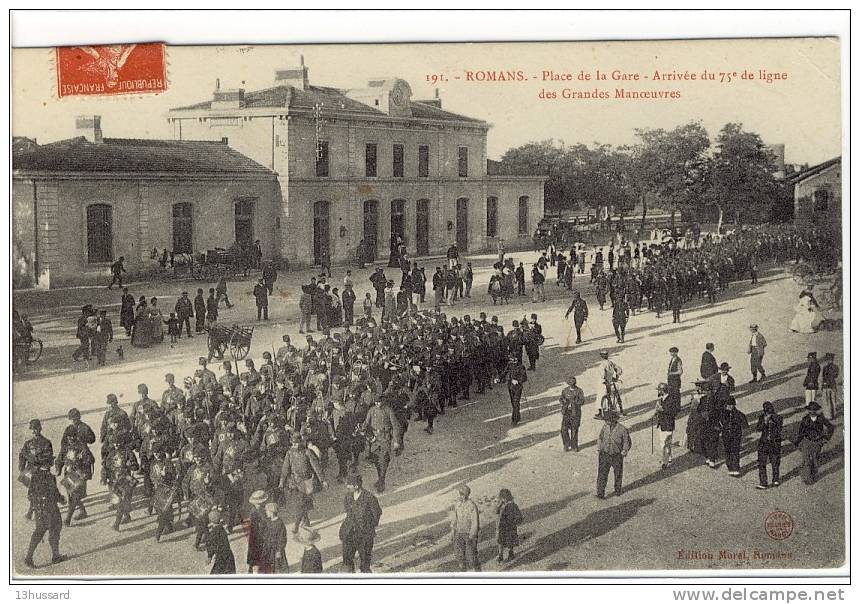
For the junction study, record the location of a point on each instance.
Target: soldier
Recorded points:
(620, 312)
(516, 377)
(36, 448)
(78, 460)
(228, 463)
(208, 376)
(675, 301)
(580, 314)
(44, 499)
(298, 472)
(229, 381)
(272, 442)
(123, 482)
(165, 489)
(601, 287)
(173, 399)
(140, 407)
(533, 338)
(204, 493)
(572, 400)
(381, 428)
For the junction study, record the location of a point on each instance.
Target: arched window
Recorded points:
(523, 222)
(183, 228)
(99, 233)
(492, 217)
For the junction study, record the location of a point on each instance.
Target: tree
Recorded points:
(673, 164)
(741, 178)
(544, 157)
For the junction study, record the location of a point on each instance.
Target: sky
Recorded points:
(802, 112)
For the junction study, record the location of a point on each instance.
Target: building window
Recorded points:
(244, 223)
(322, 159)
(523, 223)
(99, 233)
(183, 228)
(423, 161)
(492, 217)
(370, 159)
(463, 161)
(397, 161)
(821, 199)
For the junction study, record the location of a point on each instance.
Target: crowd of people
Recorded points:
(199, 448)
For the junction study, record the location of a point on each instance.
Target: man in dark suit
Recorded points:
(580, 314)
(769, 444)
(709, 365)
(359, 526)
(722, 384)
(732, 426)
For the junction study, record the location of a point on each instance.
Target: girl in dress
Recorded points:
(808, 316)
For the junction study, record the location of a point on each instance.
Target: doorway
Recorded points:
(422, 227)
(321, 231)
(398, 219)
(463, 224)
(244, 223)
(371, 228)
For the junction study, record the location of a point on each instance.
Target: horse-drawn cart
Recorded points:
(210, 266)
(236, 338)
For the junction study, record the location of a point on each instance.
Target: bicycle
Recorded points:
(611, 400)
(27, 352)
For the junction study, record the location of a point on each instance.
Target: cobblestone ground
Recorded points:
(687, 517)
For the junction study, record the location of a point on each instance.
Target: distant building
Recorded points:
(366, 164)
(818, 193)
(79, 204)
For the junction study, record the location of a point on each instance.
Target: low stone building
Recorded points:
(818, 193)
(80, 204)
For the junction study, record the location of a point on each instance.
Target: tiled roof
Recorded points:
(799, 176)
(330, 98)
(136, 155)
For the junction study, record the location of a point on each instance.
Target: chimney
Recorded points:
(90, 127)
(297, 77)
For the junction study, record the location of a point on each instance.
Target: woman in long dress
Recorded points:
(808, 316)
(140, 334)
(156, 322)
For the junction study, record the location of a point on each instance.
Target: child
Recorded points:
(368, 306)
(218, 547)
(274, 542)
(311, 558)
(174, 329)
(510, 517)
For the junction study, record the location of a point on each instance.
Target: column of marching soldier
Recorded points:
(351, 392)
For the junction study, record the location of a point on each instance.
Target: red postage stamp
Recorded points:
(109, 70)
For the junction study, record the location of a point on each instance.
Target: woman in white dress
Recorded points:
(808, 316)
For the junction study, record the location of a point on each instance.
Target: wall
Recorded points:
(23, 234)
(804, 196)
(508, 192)
(142, 219)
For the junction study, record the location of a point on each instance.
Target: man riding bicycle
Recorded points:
(609, 373)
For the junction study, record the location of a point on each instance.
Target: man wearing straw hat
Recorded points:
(613, 444)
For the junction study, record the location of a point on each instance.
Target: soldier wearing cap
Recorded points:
(165, 482)
(140, 407)
(45, 498)
(613, 444)
(229, 463)
(382, 428)
(208, 376)
(35, 448)
(78, 462)
(298, 471)
(515, 376)
(572, 400)
(815, 431)
(173, 399)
